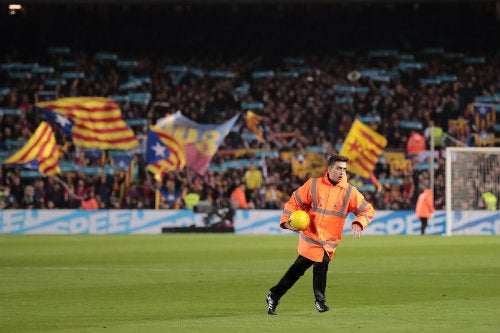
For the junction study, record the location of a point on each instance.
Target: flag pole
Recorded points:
(157, 192)
(66, 186)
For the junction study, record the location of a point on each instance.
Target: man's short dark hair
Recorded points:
(337, 158)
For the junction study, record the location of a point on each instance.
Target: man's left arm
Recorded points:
(363, 210)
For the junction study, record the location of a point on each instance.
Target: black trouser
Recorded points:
(298, 269)
(423, 220)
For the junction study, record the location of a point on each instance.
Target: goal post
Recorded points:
(471, 172)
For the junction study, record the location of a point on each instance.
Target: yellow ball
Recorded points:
(299, 220)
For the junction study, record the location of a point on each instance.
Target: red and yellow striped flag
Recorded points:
(42, 148)
(98, 122)
(363, 146)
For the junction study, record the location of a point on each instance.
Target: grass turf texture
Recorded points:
(217, 283)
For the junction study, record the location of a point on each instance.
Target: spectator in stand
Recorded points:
(100, 203)
(238, 197)
(103, 185)
(129, 203)
(16, 188)
(408, 190)
(436, 131)
(253, 182)
(490, 200)
(191, 198)
(29, 200)
(90, 202)
(133, 194)
(415, 145)
(115, 200)
(273, 197)
(81, 190)
(171, 196)
(7, 200)
(39, 187)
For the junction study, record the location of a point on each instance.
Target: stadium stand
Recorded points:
(308, 70)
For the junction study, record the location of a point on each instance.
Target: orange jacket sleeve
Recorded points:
(301, 199)
(363, 210)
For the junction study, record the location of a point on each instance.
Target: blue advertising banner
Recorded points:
(386, 222)
(257, 222)
(66, 221)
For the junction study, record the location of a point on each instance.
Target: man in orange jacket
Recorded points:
(425, 208)
(328, 201)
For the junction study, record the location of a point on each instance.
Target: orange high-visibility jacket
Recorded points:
(90, 204)
(416, 143)
(425, 204)
(328, 207)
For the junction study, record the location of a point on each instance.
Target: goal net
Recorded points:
(472, 190)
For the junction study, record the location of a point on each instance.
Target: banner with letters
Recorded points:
(68, 221)
(200, 141)
(386, 222)
(257, 222)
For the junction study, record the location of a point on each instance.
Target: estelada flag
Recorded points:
(42, 149)
(363, 146)
(484, 115)
(164, 153)
(95, 122)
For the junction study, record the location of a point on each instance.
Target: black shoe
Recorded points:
(271, 305)
(321, 306)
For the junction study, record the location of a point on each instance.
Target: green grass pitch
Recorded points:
(217, 283)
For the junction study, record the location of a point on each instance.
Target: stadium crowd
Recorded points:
(305, 103)
(316, 96)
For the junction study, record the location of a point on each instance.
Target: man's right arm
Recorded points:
(299, 199)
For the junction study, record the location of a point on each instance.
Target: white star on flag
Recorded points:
(62, 120)
(159, 149)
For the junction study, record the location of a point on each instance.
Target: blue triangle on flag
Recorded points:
(64, 122)
(156, 149)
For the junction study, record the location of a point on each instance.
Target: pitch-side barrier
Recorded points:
(258, 222)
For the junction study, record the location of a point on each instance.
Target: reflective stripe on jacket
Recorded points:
(328, 206)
